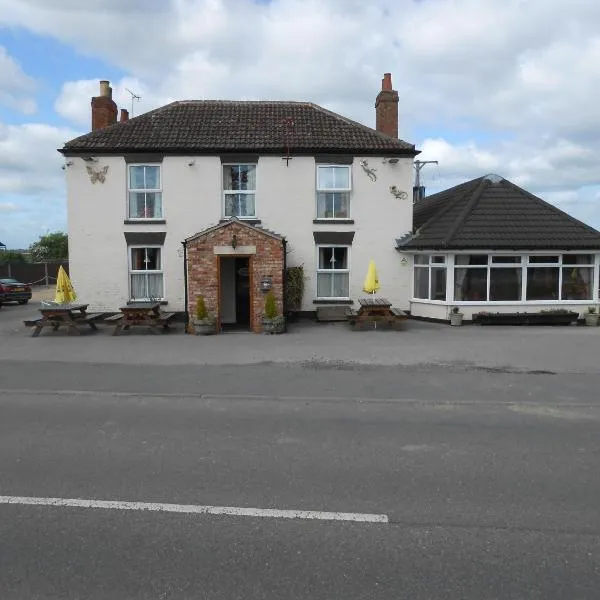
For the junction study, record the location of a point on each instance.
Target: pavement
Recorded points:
(512, 349)
(478, 448)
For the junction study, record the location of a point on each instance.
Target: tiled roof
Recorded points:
(229, 222)
(209, 126)
(493, 213)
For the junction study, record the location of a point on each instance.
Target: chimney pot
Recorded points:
(105, 89)
(124, 115)
(386, 108)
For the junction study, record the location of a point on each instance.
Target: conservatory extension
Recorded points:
(468, 251)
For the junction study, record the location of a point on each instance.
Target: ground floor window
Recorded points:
(506, 278)
(430, 277)
(333, 272)
(145, 273)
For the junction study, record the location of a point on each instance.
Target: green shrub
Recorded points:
(294, 287)
(201, 312)
(270, 306)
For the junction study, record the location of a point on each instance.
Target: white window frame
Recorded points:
(146, 191)
(429, 265)
(524, 258)
(132, 271)
(348, 270)
(238, 192)
(347, 190)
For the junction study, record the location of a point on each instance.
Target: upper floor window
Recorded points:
(333, 192)
(145, 192)
(239, 191)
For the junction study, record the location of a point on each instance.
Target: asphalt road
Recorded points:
(489, 481)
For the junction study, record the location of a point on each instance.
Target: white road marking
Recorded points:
(233, 511)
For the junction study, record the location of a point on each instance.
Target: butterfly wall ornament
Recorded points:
(97, 174)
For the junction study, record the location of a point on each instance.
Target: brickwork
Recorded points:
(203, 267)
(386, 108)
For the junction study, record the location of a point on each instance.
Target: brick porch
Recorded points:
(266, 251)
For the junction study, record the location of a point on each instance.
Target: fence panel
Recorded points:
(33, 273)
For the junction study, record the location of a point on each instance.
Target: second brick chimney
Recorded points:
(386, 108)
(104, 109)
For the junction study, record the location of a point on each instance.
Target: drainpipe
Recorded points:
(185, 285)
(284, 277)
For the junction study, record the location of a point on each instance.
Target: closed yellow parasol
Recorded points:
(64, 289)
(371, 284)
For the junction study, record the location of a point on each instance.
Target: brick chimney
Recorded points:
(124, 116)
(386, 108)
(104, 109)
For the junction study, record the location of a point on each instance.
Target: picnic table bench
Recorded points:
(70, 316)
(375, 312)
(141, 314)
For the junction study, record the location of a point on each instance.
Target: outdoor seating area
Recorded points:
(375, 313)
(69, 316)
(64, 312)
(141, 314)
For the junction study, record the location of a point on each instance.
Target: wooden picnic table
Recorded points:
(373, 311)
(70, 316)
(140, 314)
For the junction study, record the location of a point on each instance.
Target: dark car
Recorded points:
(12, 290)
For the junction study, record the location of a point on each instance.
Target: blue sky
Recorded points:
(484, 86)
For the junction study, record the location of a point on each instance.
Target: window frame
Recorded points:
(225, 192)
(430, 265)
(524, 264)
(318, 270)
(523, 257)
(146, 191)
(132, 271)
(347, 190)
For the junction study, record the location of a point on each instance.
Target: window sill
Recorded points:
(333, 221)
(161, 302)
(523, 303)
(249, 220)
(333, 301)
(144, 222)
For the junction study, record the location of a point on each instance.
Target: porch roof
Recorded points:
(228, 223)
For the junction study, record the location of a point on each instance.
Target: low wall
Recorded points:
(428, 310)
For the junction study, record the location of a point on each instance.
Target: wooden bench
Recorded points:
(32, 322)
(165, 318)
(91, 318)
(144, 317)
(113, 318)
(56, 316)
(374, 315)
(351, 316)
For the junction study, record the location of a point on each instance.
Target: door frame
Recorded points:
(250, 258)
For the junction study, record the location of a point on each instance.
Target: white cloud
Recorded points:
(16, 88)
(506, 87)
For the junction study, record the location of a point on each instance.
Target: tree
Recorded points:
(12, 256)
(51, 246)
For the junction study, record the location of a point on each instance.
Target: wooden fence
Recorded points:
(33, 273)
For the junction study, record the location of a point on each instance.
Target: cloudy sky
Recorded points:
(485, 86)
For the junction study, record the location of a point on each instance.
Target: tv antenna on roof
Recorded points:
(133, 97)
